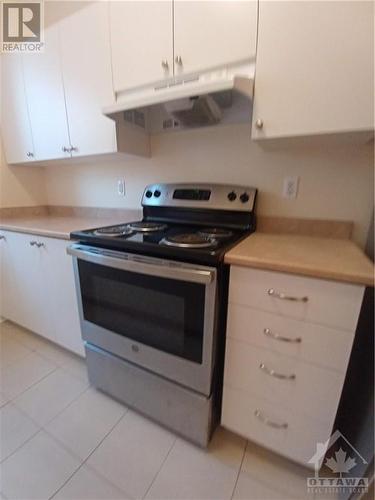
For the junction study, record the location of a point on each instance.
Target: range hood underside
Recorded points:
(189, 103)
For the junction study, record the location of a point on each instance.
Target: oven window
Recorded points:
(160, 312)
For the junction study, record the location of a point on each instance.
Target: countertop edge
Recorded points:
(36, 232)
(301, 271)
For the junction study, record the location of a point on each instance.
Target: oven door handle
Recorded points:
(142, 265)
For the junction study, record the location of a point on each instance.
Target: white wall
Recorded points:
(21, 186)
(336, 177)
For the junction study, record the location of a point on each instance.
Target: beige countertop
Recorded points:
(336, 259)
(61, 226)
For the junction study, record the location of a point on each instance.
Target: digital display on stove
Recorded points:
(192, 194)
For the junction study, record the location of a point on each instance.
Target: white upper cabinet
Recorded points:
(213, 34)
(51, 101)
(142, 42)
(86, 63)
(153, 41)
(46, 100)
(314, 69)
(15, 123)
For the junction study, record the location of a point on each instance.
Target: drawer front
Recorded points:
(328, 303)
(264, 423)
(309, 342)
(287, 382)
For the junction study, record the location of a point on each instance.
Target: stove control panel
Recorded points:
(211, 196)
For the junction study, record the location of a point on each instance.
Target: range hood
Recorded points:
(188, 101)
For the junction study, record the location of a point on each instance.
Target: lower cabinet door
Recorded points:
(312, 390)
(285, 432)
(24, 289)
(8, 293)
(62, 295)
(37, 288)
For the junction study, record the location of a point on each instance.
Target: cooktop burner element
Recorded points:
(146, 227)
(215, 232)
(188, 240)
(113, 231)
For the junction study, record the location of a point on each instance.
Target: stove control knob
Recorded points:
(244, 197)
(157, 193)
(232, 196)
(148, 194)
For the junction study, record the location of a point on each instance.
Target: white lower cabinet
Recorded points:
(261, 421)
(286, 358)
(37, 288)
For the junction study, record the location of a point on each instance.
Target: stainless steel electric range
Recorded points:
(152, 298)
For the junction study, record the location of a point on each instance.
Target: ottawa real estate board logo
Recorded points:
(22, 27)
(339, 468)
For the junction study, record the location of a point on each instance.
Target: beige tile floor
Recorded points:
(62, 439)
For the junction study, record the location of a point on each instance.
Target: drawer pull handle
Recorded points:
(271, 372)
(276, 336)
(269, 422)
(2, 237)
(282, 296)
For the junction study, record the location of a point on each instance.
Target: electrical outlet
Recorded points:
(290, 189)
(121, 187)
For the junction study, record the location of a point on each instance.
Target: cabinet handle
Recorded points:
(165, 64)
(272, 372)
(39, 244)
(260, 415)
(259, 124)
(276, 336)
(64, 149)
(282, 296)
(74, 149)
(36, 243)
(178, 60)
(2, 237)
(32, 243)
(29, 154)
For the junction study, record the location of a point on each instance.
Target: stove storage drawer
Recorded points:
(286, 382)
(285, 432)
(308, 299)
(324, 346)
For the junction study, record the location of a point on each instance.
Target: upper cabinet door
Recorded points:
(45, 97)
(213, 33)
(142, 42)
(15, 123)
(86, 62)
(314, 70)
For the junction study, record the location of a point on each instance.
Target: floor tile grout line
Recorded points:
(22, 445)
(267, 484)
(43, 426)
(40, 427)
(161, 466)
(62, 443)
(42, 353)
(87, 465)
(11, 399)
(239, 470)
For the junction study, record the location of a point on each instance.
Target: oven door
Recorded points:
(156, 313)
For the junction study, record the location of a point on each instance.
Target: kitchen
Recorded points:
(133, 364)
